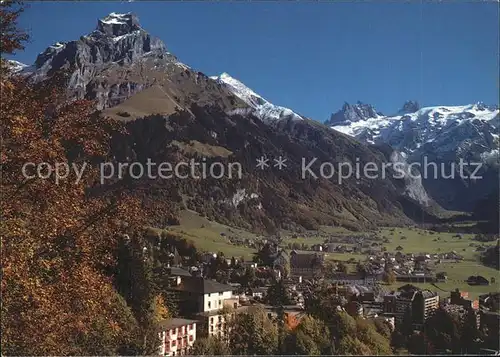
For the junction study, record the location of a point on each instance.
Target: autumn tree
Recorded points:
(367, 334)
(389, 277)
(58, 234)
(310, 337)
(12, 37)
(291, 322)
(253, 333)
(210, 346)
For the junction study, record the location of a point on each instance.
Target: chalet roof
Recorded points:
(173, 323)
(201, 286)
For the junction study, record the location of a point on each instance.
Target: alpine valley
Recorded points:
(175, 113)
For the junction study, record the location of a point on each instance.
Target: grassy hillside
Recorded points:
(418, 241)
(207, 235)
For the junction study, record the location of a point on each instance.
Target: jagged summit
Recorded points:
(351, 113)
(117, 41)
(118, 24)
(409, 107)
(117, 38)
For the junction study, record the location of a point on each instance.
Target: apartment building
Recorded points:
(425, 303)
(204, 300)
(177, 337)
(420, 304)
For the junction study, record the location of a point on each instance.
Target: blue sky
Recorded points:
(310, 56)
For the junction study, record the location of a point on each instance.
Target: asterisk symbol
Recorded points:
(280, 162)
(262, 163)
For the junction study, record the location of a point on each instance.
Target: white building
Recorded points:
(204, 299)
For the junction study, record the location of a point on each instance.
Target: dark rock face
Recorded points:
(351, 113)
(409, 107)
(118, 41)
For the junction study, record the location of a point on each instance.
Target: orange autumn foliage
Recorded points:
(56, 237)
(291, 322)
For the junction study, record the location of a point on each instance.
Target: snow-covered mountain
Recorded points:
(16, 66)
(438, 134)
(440, 129)
(261, 108)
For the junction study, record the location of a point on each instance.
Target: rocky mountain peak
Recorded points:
(118, 24)
(118, 38)
(351, 113)
(410, 106)
(117, 41)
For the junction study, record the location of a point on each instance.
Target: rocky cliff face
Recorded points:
(352, 113)
(117, 41)
(410, 106)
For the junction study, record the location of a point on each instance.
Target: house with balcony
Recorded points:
(177, 337)
(204, 300)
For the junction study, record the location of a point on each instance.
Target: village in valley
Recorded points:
(400, 276)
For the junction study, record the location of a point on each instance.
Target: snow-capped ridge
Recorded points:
(114, 24)
(262, 108)
(440, 129)
(16, 66)
(116, 18)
